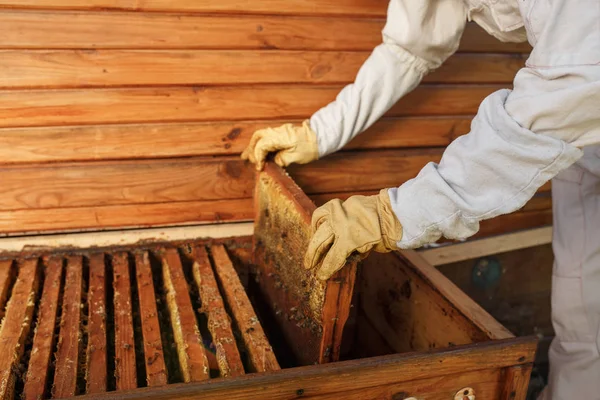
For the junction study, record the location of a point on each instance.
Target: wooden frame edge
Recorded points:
(463, 303)
(339, 377)
(125, 237)
(487, 246)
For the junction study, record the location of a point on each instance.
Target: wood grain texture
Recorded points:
(476, 39)
(16, 324)
(516, 382)
(227, 354)
(336, 379)
(162, 193)
(111, 183)
(102, 68)
(138, 30)
(521, 301)
(69, 339)
(131, 216)
(465, 305)
(261, 353)
(487, 385)
(156, 181)
(478, 68)
(410, 132)
(409, 312)
(96, 357)
(195, 179)
(190, 350)
(156, 371)
(140, 141)
(337, 308)
(125, 364)
(541, 201)
(106, 68)
(6, 276)
(360, 8)
(515, 222)
(349, 172)
(171, 104)
(43, 341)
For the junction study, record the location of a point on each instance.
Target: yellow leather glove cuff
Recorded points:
(360, 224)
(293, 144)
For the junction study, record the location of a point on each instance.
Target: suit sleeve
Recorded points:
(417, 38)
(519, 139)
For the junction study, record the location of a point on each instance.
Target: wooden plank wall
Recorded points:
(123, 113)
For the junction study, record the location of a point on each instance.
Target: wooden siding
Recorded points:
(122, 113)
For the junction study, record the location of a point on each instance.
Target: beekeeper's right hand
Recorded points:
(290, 143)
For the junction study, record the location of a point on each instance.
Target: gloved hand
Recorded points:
(360, 224)
(293, 144)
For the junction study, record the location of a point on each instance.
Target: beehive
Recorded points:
(217, 319)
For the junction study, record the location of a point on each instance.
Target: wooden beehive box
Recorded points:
(242, 319)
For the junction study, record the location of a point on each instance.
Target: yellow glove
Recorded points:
(360, 224)
(293, 144)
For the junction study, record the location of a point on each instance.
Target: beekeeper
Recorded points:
(546, 127)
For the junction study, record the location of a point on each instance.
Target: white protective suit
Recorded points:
(520, 139)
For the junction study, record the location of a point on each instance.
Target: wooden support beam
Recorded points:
(190, 348)
(516, 383)
(125, 363)
(190, 139)
(105, 239)
(261, 353)
(16, 325)
(96, 357)
(28, 108)
(69, 340)
(228, 356)
(348, 379)
(356, 8)
(36, 379)
(451, 253)
(176, 215)
(6, 277)
(138, 30)
(156, 371)
(159, 181)
(119, 68)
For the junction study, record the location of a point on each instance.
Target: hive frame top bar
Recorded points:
(281, 235)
